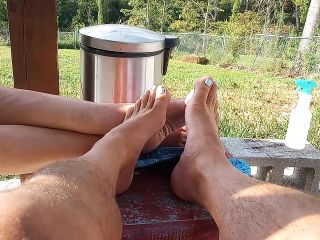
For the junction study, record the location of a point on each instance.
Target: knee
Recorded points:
(11, 222)
(17, 219)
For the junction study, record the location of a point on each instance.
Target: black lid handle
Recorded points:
(170, 42)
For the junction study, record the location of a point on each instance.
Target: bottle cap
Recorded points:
(305, 86)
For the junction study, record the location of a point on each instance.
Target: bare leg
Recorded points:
(243, 208)
(75, 199)
(73, 116)
(26, 149)
(45, 110)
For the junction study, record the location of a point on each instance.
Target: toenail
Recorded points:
(208, 82)
(161, 90)
(154, 87)
(145, 92)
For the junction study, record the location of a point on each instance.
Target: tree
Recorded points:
(311, 25)
(302, 9)
(309, 29)
(66, 11)
(236, 8)
(101, 12)
(152, 14)
(109, 11)
(87, 14)
(3, 14)
(247, 5)
(163, 15)
(137, 12)
(197, 15)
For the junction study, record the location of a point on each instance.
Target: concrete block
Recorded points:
(271, 158)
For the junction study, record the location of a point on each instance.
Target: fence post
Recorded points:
(224, 42)
(74, 38)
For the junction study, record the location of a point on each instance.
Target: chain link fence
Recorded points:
(66, 40)
(4, 37)
(264, 52)
(69, 40)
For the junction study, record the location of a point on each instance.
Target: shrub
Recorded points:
(196, 59)
(245, 24)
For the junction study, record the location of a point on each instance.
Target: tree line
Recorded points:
(220, 17)
(240, 17)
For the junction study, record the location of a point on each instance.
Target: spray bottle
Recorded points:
(300, 117)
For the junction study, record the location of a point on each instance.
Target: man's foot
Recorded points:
(178, 137)
(125, 142)
(203, 147)
(174, 120)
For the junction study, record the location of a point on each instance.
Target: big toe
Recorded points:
(213, 94)
(162, 99)
(201, 91)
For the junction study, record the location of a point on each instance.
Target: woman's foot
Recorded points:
(177, 138)
(203, 147)
(175, 119)
(123, 144)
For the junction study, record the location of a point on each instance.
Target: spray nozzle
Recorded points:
(305, 86)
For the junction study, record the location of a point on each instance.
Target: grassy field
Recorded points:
(252, 104)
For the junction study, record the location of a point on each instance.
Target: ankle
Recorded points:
(211, 179)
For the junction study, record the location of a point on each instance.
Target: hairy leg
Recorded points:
(75, 199)
(243, 208)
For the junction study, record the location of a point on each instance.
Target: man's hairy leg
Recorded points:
(75, 199)
(243, 208)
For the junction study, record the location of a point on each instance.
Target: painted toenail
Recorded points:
(208, 82)
(154, 87)
(146, 91)
(161, 90)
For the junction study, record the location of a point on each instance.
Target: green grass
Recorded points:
(252, 104)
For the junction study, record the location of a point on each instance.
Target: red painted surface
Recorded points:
(150, 210)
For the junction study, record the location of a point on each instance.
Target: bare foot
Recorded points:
(177, 138)
(202, 141)
(142, 121)
(174, 120)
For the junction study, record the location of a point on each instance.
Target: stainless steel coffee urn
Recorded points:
(118, 62)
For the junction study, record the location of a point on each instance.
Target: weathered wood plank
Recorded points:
(33, 35)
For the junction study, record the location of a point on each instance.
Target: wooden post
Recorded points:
(33, 35)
